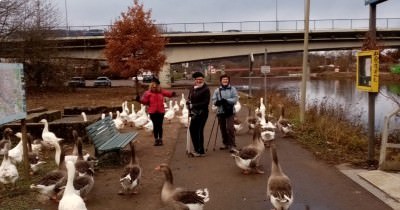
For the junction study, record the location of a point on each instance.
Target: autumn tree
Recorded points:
(133, 43)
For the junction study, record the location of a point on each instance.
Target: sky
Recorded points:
(105, 12)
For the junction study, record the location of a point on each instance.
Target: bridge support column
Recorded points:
(165, 75)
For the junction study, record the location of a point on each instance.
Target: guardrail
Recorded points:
(247, 26)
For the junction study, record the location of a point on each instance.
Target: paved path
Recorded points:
(316, 184)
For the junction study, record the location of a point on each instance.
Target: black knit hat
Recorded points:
(155, 80)
(197, 74)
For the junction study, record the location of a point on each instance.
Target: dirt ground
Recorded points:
(104, 194)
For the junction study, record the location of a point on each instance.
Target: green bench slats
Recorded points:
(106, 137)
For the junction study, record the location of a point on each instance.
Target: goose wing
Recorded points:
(188, 197)
(248, 153)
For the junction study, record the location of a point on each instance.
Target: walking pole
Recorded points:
(216, 134)
(212, 129)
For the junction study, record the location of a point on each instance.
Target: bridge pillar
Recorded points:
(165, 75)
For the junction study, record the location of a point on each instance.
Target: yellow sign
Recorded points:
(368, 71)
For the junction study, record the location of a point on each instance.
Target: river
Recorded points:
(339, 93)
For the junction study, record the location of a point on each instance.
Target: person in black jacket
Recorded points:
(198, 100)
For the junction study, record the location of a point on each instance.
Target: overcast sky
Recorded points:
(104, 12)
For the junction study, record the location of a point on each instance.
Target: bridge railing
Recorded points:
(247, 26)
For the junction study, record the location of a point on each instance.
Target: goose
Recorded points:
(176, 106)
(142, 111)
(267, 135)
(148, 127)
(33, 157)
(182, 102)
(237, 124)
(7, 133)
(16, 154)
(279, 188)
(132, 116)
(141, 121)
(83, 184)
(84, 164)
(184, 119)
(284, 124)
(248, 157)
(181, 198)
(48, 136)
(102, 116)
(70, 200)
(8, 171)
(52, 182)
(130, 178)
(237, 106)
(77, 150)
(84, 116)
(170, 113)
(118, 121)
(124, 113)
(34, 146)
(185, 110)
(262, 106)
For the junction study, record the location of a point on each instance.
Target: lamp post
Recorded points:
(66, 16)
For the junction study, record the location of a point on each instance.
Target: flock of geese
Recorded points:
(73, 178)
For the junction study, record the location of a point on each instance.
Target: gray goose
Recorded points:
(130, 178)
(180, 198)
(83, 167)
(7, 133)
(279, 189)
(284, 124)
(248, 157)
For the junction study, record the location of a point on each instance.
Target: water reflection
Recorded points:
(341, 93)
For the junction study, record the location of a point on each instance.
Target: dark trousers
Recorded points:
(157, 119)
(196, 129)
(227, 130)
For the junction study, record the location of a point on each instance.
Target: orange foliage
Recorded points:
(133, 43)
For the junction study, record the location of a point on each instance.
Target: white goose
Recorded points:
(141, 121)
(248, 157)
(131, 175)
(125, 111)
(132, 116)
(185, 110)
(16, 154)
(182, 102)
(170, 113)
(279, 189)
(262, 106)
(176, 106)
(8, 171)
(184, 119)
(84, 117)
(142, 111)
(149, 126)
(33, 157)
(118, 121)
(178, 197)
(70, 200)
(48, 136)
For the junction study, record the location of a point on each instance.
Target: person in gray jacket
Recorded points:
(225, 97)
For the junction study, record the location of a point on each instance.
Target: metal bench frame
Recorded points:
(106, 138)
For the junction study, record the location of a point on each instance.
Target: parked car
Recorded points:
(102, 81)
(76, 82)
(147, 78)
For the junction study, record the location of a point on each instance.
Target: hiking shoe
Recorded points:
(195, 154)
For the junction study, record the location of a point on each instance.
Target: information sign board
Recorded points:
(12, 94)
(265, 69)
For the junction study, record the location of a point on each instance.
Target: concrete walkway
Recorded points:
(316, 184)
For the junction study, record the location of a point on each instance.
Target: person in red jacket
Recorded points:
(154, 99)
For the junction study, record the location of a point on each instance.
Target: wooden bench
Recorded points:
(106, 138)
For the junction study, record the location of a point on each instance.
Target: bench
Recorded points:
(106, 138)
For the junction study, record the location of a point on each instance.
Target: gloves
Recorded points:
(221, 102)
(137, 98)
(218, 103)
(173, 94)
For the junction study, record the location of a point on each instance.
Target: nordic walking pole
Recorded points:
(212, 129)
(216, 134)
(188, 138)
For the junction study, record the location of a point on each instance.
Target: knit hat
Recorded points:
(197, 74)
(155, 80)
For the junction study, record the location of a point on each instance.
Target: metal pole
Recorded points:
(66, 16)
(265, 77)
(250, 72)
(371, 95)
(305, 61)
(276, 14)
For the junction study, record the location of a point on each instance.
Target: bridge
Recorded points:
(203, 41)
